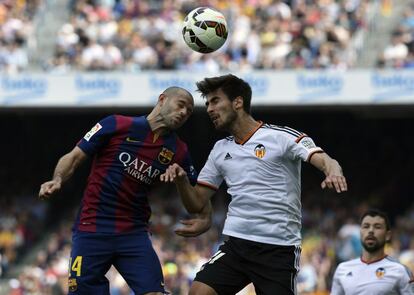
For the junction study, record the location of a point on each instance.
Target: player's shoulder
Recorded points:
(349, 264)
(117, 118)
(282, 131)
(224, 141)
(398, 265)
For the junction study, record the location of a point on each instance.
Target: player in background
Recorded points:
(374, 273)
(129, 155)
(261, 165)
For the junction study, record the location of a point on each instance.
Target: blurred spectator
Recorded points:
(271, 34)
(15, 28)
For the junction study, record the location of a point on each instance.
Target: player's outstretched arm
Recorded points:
(197, 225)
(65, 168)
(194, 198)
(334, 178)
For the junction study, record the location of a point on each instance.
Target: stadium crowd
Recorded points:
(135, 35)
(273, 34)
(15, 28)
(400, 52)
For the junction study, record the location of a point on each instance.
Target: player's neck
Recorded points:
(368, 257)
(243, 127)
(157, 124)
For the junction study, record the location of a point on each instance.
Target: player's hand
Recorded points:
(193, 227)
(173, 173)
(49, 188)
(336, 182)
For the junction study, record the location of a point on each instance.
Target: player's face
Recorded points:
(374, 233)
(176, 110)
(220, 109)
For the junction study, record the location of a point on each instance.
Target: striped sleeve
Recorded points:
(98, 136)
(300, 145)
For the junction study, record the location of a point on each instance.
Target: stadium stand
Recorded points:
(15, 30)
(144, 35)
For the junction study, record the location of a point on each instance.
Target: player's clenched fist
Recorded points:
(173, 173)
(49, 188)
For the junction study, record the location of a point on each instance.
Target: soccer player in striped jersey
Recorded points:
(261, 165)
(129, 155)
(374, 273)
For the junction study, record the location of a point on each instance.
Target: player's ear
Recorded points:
(161, 98)
(238, 103)
(388, 236)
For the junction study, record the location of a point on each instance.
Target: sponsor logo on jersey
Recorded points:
(349, 274)
(138, 169)
(380, 272)
(165, 156)
(228, 157)
(72, 284)
(260, 151)
(94, 129)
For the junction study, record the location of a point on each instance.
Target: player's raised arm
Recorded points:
(334, 179)
(65, 168)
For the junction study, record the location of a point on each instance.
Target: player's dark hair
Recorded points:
(376, 212)
(231, 85)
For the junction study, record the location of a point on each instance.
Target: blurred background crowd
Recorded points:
(137, 35)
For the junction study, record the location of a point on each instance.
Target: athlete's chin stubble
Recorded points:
(374, 247)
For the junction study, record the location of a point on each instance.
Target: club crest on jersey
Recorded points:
(260, 151)
(165, 156)
(380, 272)
(72, 284)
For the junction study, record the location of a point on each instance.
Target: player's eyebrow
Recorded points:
(214, 98)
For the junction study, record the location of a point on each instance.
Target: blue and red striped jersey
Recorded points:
(128, 160)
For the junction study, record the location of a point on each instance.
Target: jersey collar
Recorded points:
(248, 136)
(371, 262)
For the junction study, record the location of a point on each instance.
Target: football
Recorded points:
(204, 30)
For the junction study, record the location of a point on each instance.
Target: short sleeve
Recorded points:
(302, 147)
(406, 282)
(337, 288)
(209, 175)
(98, 136)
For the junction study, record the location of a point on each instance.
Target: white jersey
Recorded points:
(384, 277)
(263, 178)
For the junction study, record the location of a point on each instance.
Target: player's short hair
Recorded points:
(174, 90)
(375, 212)
(231, 85)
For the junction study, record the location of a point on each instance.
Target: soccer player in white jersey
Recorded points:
(261, 165)
(374, 273)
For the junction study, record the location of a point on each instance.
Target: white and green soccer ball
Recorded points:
(204, 30)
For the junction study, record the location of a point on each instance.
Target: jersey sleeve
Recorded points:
(98, 136)
(302, 147)
(406, 282)
(209, 175)
(337, 288)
